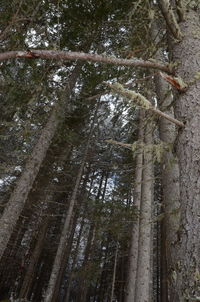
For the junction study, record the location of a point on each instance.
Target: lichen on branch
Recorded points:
(141, 101)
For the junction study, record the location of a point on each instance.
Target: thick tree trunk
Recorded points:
(144, 273)
(184, 278)
(170, 183)
(169, 170)
(24, 185)
(18, 198)
(132, 270)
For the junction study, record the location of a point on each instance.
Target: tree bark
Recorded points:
(24, 185)
(114, 273)
(169, 173)
(144, 272)
(28, 280)
(18, 198)
(64, 55)
(131, 278)
(65, 231)
(170, 182)
(184, 277)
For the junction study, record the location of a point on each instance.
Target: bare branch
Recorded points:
(141, 101)
(170, 19)
(64, 55)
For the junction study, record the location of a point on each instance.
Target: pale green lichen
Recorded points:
(180, 81)
(156, 149)
(195, 78)
(131, 95)
(197, 75)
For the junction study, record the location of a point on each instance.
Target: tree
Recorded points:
(184, 280)
(25, 183)
(133, 257)
(106, 27)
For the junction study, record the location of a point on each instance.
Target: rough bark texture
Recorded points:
(66, 227)
(18, 197)
(30, 273)
(185, 275)
(64, 55)
(23, 187)
(114, 274)
(144, 278)
(130, 291)
(170, 182)
(64, 238)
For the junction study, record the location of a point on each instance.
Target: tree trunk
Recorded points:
(28, 280)
(114, 273)
(65, 231)
(24, 185)
(74, 258)
(131, 279)
(184, 278)
(170, 178)
(144, 272)
(18, 198)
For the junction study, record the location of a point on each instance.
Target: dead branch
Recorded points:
(69, 55)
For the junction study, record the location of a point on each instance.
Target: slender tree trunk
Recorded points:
(131, 279)
(68, 246)
(185, 272)
(65, 231)
(65, 257)
(144, 272)
(75, 254)
(114, 273)
(28, 280)
(24, 185)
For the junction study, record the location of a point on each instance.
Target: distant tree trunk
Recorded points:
(185, 275)
(132, 269)
(24, 185)
(114, 273)
(78, 240)
(91, 242)
(144, 273)
(75, 254)
(68, 246)
(30, 273)
(65, 232)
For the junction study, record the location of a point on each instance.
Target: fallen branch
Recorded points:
(64, 55)
(141, 101)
